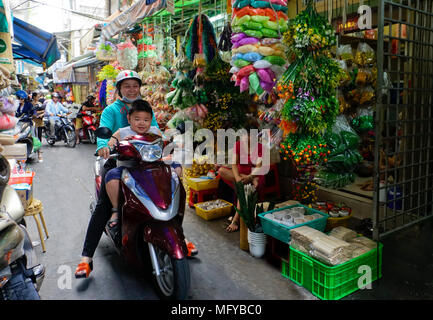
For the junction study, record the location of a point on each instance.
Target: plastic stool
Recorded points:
(200, 195)
(34, 209)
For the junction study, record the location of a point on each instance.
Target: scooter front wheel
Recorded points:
(172, 280)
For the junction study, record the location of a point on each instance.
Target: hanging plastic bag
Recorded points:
(254, 33)
(254, 81)
(252, 56)
(265, 75)
(7, 122)
(365, 55)
(8, 105)
(36, 144)
(237, 36)
(260, 19)
(364, 120)
(275, 60)
(345, 52)
(262, 64)
(368, 96)
(259, 4)
(244, 84)
(127, 55)
(269, 33)
(271, 25)
(246, 71)
(240, 21)
(240, 63)
(269, 41)
(265, 51)
(234, 70)
(247, 40)
(267, 86)
(251, 25)
(245, 49)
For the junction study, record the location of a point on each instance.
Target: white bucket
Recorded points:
(257, 243)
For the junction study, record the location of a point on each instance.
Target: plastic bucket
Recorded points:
(257, 243)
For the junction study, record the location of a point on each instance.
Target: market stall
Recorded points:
(315, 79)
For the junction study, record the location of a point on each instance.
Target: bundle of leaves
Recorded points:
(248, 197)
(308, 32)
(311, 114)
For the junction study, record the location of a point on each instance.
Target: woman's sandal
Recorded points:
(83, 266)
(113, 229)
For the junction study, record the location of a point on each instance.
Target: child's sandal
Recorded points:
(83, 266)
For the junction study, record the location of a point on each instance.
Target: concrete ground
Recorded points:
(221, 271)
(64, 183)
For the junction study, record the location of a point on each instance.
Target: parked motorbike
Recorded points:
(64, 130)
(151, 209)
(21, 276)
(87, 132)
(24, 133)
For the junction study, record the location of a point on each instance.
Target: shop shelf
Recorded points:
(214, 213)
(333, 282)
(282, 232)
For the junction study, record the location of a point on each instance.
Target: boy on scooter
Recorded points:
(139, 118)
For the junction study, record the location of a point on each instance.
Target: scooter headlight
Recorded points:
(149, 152)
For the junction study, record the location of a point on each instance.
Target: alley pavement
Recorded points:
(221, 271)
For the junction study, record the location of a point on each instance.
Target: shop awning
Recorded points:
(133, 15)
(34, 44)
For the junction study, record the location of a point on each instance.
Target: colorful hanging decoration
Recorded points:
(258, 56)
(308, 91)
(200, 41)
(106, 52)
(127, 55)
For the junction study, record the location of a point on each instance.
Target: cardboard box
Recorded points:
(25, 194)
(15, 151)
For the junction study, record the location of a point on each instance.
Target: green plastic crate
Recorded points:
(285, 270)
(282, 232)
(333, 283)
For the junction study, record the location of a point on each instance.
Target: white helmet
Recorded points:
(127, 74)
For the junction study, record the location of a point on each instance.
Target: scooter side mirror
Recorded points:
(103, 133)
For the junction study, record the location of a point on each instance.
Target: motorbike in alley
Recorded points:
(64, 130)
(87, 132)
(21, 275)
(151, 211)
(23, 133)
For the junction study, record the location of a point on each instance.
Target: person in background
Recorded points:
(88, 105)
(54, 107)
(25, 107)
(243, 172)
(38, 119)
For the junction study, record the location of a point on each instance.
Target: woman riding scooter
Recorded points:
(25, 108)
(113, 117)
(88, 105)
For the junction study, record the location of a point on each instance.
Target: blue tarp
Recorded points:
(35, 44)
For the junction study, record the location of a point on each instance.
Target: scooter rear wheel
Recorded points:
(174, 281)
(92, 137)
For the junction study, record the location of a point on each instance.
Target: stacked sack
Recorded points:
(258, 56)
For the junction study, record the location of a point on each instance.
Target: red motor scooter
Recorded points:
(87, 132)
(151, 208)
